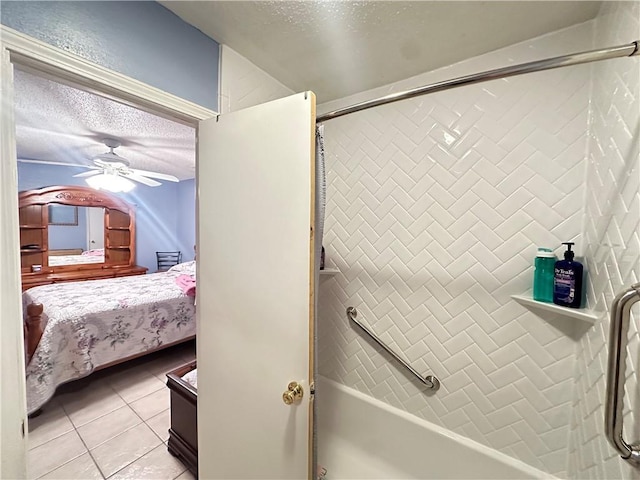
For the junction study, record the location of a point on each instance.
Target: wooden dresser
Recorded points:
(118, 236)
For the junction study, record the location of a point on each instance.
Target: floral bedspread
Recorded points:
(58, 260)
(92, 323)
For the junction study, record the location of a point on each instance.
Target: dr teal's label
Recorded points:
(565, 285)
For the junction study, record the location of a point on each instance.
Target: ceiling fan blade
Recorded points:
(141, 179)
(161, 176)
(45, 162)
(111, 158)
(107, 164)
(101, 163)
(90, 173)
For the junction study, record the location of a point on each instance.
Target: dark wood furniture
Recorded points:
(166, 260)
(119, 236)
(183, 434)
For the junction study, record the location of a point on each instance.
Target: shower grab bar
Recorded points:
(430, 381)
(613, 422)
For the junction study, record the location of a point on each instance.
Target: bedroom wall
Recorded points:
(143, 40)
(435, 207)
(69, 236)
(156, 208)
(186, 229)
(612, 230)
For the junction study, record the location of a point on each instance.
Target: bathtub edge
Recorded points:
(467, 442)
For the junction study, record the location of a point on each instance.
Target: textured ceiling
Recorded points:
(58, 123)
(332, 48)
(339, 48)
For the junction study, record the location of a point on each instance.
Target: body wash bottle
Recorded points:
(543, 275)
(567, 280)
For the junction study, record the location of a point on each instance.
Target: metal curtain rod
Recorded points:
(628, 50)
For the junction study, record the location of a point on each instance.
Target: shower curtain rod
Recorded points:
(628, 50)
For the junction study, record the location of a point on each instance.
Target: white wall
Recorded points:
(613, 244)
(435, 208)
(242, 84)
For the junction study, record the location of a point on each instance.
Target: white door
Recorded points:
(95, 227)
(13, 411)
(255, 290)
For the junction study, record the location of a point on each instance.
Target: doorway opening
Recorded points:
(39, 165)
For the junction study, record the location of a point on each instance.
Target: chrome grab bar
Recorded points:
(620, 316)
(430, 381)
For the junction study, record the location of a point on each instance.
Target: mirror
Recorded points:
(79, 243)
(63, 214)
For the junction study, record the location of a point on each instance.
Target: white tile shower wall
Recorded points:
(613, 246)
(435, 208)
(243, 85)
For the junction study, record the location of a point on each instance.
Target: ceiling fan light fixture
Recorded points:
(110, 182)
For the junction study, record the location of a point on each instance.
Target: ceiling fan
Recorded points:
(109, 166)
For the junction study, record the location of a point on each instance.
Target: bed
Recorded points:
(75, 256)
(93, 324)
(183, 434)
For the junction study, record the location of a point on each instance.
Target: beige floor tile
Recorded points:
(189, 353)
(161, 424)
(111, 374)
(108, 426)
(81, 468)
(53, 454)
(187, 475)
(157, 464)
(152, 404)
(90, 403)
(51, 423)
(162, 366)
(134, 385)
(124, 449)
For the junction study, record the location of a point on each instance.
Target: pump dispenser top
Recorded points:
(568, 255)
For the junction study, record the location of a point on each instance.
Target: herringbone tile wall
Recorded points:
(613, 244)
(435, 208)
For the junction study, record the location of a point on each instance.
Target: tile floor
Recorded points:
(112, 424)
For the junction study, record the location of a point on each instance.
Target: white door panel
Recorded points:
(255, 289)
(13, 407)
(95, 227)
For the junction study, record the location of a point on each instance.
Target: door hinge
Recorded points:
(22, 428)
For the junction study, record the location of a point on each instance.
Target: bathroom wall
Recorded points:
(435, 208)
(242, 84)
(142, 40)
(612, 229)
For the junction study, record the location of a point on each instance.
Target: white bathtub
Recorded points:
(362, 438)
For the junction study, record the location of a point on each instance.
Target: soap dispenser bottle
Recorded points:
(567, 280)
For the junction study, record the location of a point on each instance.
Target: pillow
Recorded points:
(188, 268)
(191, 378)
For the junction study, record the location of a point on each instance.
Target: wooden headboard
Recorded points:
(119, 235)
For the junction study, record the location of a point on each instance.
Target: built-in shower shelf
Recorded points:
(583, 314)
(329, 271)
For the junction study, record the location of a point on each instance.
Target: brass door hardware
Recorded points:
(294, 393)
